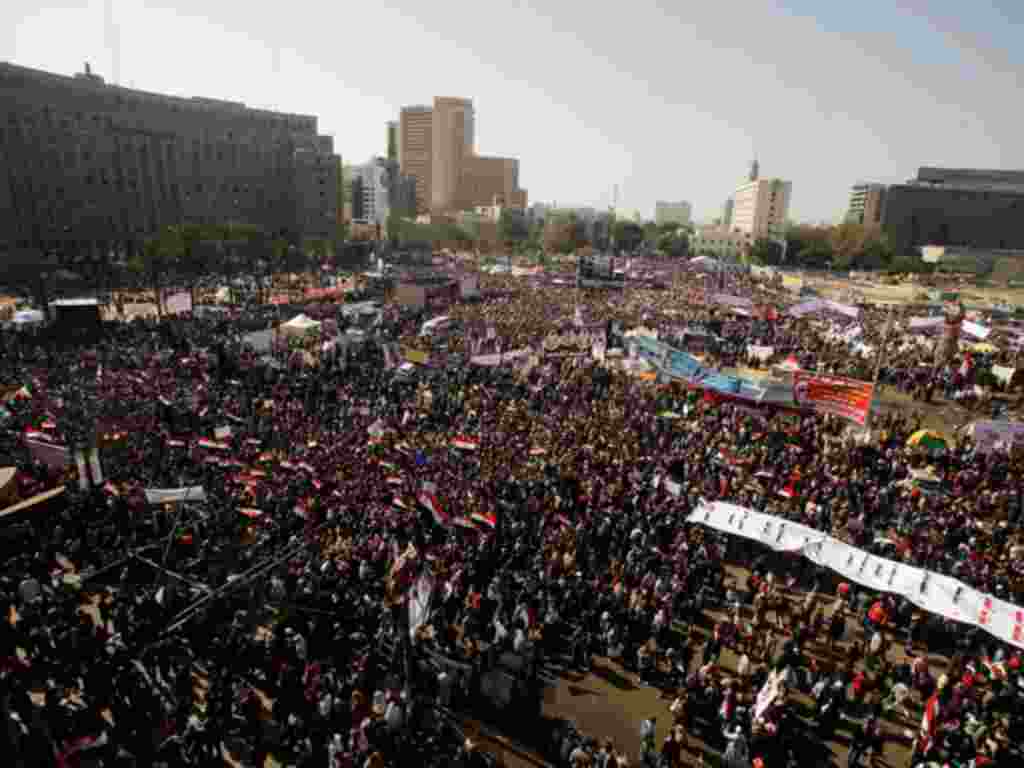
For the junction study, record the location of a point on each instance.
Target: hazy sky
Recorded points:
(669, 100)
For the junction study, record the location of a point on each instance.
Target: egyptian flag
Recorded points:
(790, 490)
(463, 522)
(183, 535)
(930, 723)
(487, 519)
(466, 443)
(428, 499)
(965, 367)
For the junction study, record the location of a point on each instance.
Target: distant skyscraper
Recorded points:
(415, 150)
(761, 206)
(392, 141)
(437, 147)
(867, 202)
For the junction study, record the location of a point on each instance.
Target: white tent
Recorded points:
(300, 325)
(29, 317)
(704, 263)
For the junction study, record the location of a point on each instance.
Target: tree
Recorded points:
(764, 252)
(628, 235)
(393, 226)
(651, 232)
(158, 260)
(673, 240)
(512, 227)
(561, 233)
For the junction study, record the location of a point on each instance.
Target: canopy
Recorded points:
(29, 317)
(300, 325)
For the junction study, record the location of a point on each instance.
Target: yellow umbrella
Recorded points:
(926, 438)
(984, 347)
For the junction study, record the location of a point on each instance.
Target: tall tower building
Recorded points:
(415, 151)
(392, 140)
(452, 134)
(761, 206)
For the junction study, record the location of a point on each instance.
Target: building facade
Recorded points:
(724, 244)
(370, 180)
(415, 151)
(761, 207)
(437, 147)
(962, 207)
(867, 201)
(88, 168)
(672, 213)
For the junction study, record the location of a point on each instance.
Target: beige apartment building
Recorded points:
(437, 146)
(761, 206)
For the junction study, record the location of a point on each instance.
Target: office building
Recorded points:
(88, 168)
(392, 140)
(967, 208)
(672, 213)
(761, 206)
(721, 243)
(371, 181)
(866, 204)
(415, 150)
(436, 146)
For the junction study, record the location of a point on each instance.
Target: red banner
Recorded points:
(848, 398)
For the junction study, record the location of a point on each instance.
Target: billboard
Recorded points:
(847, 398)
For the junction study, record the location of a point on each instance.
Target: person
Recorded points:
(867, 740)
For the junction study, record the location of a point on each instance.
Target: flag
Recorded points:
(965, 367)
(790, 490)
(930, 722)
(485, 518)
(463, 522)
(466, 443)
(212, 445)
(428, 498)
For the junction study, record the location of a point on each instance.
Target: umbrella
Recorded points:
(984, 347)
(926, 438)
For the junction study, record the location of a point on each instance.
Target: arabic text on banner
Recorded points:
(848, 398)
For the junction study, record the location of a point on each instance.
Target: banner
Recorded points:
(848, 398)
(172, 495)
(976, 330)
(932, 592)
(925, 323)
(178, 303)
(53, 456)
(819, 305)
(512, 357)
(732, 301)
(992, 436)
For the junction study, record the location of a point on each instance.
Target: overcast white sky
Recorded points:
(669, 100)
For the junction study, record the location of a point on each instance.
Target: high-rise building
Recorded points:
(392, 140)
(867, 202)
(437, 147)
(415, 150)
(373, 180)
(761, 206)
(672, 213)
(452, 135)
(88, 168)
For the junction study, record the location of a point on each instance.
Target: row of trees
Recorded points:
(189, 253)
(848, 245)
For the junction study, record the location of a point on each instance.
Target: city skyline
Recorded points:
(823, 101)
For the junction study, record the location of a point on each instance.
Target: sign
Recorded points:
(848, 398)
(992, 436)
(179, 303)
(417, 356)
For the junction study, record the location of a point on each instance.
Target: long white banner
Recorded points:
(172, 495)
(933, 592)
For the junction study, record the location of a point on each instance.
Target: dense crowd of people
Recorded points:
(532, 502)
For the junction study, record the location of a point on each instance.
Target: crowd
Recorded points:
(271, 617)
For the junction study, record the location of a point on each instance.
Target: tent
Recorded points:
(29, 317)
(300, 325)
